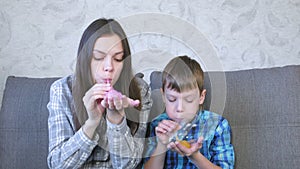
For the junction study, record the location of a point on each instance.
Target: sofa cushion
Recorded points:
(262, 107)
(23, 123)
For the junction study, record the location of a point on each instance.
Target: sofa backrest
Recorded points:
(262, 107)
(23, 123)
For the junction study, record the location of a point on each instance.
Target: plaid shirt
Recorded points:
(216, 146)
(69, 148)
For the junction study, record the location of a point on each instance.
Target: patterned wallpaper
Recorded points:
(39, 38)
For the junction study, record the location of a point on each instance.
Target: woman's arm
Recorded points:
(67, 149)
(125, 149)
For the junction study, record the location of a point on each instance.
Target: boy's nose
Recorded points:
(179, 105)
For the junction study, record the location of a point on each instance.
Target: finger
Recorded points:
(171, 146)
(177, 149)
(118, 103)
(200, 139)
(102, 85)
(160, 130)
(104, 102)
(133, 103)
(165, 127)
(170, 125)
(100, 89)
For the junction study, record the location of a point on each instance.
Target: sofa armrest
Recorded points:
(23, 122)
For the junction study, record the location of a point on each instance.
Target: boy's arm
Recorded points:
(202, 162)
(194, 154)
(157, 159)
(221, 148)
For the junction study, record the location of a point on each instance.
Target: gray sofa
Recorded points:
(262, 106)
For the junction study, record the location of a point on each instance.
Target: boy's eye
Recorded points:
(170, 99)
(189, 100)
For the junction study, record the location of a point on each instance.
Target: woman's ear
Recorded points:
(163, 95)
(202, 96)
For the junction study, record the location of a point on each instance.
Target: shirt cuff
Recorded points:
(120, 128)
(86, 143)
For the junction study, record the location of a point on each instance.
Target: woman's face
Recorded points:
(107, 60)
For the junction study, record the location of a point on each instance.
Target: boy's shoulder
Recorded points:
(159, 118)
(205, 114)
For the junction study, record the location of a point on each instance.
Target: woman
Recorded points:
(88, 126)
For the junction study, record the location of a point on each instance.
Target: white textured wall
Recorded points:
(39, 38)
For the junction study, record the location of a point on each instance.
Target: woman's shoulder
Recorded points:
(143, 85)
(144, 89)
(62, 84)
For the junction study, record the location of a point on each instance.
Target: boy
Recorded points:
(207, 143)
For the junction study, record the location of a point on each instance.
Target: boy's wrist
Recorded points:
(161, 148)
(193, 157)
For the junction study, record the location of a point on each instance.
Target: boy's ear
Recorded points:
(202, 96)
(162, 95)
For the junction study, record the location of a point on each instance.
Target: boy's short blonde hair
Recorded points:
(183, 73)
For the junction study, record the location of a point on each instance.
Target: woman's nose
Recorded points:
(108, 66)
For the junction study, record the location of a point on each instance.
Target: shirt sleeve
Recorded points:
(67, 148)
(126, 150)
(221, 149)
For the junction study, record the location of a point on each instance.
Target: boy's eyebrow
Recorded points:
(189, 95)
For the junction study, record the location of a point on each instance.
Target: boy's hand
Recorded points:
(183, 150)
(164, 130)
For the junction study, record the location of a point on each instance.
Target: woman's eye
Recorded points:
(119, 57)
(118, 60)
(98, 56)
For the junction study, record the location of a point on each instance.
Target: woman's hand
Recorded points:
(165, 129)
(115, 103)
(181, 149)
(97, 92)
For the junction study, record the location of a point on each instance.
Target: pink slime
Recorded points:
(113, 93)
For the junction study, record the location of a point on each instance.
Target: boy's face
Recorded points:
(184, 105)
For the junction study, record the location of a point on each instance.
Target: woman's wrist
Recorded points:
(89, 127)
(114, 116)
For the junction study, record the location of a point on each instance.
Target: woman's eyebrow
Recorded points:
(119, 52)
(99, 51)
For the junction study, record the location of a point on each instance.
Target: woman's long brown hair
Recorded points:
(83, 80)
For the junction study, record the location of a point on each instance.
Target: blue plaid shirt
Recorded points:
(216, 146)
